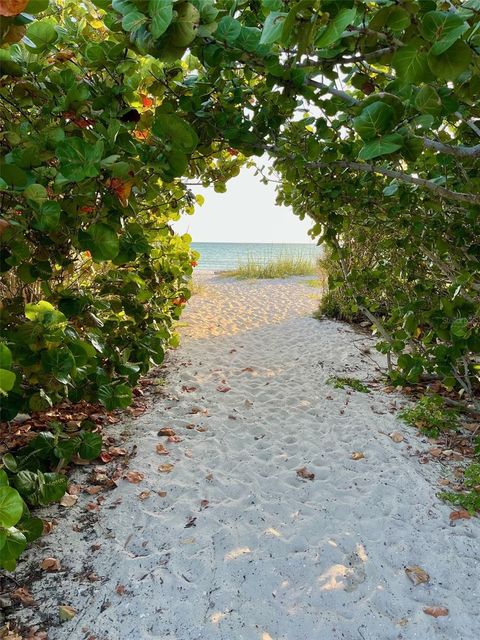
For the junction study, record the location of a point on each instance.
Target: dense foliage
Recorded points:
(112, 110)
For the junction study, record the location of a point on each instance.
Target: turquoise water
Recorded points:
(218, 256)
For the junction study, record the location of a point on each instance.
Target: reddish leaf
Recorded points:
(436, 612)
(166, 431)
(12, 7)
(223, 388)
(461, 514)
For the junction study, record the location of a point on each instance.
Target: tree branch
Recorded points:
(448, 194)
(460, 150)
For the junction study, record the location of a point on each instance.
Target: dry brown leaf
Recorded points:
(188, 389)
(74, 489)
(134, 476)
(204, 504)
(201, 429)
(436, 612)
(417, 575)
(248, 370)
(174, 439)
(304, 473)
(436, 452)
(223, 388)
(166, 431)
(209, 477)
(161, 450)
(105, 457)
(120, 589)
(94, 489)
(144, 494)
(50, 564)
(23, 595)
(68, 500)
(396, 436)
(47, 527)
(357, 455)
(461, 514)
(162, 494)
(12, 7)
(166, 468)
(117, 451)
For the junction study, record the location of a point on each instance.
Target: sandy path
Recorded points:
(272, 557)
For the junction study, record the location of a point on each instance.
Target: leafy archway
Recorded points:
(110, 109)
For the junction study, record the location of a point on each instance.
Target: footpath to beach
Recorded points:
(236, 540)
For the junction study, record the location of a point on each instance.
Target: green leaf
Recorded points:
(161, 12)
(48, 216)
(452, 63)
(36, 192)
(59, 362)
(11, 507)
(336, 27)
(443, 29)
(42, 33)
(5, 356)
(103, 241)
(13, 547)
(79, 159)
(40, 488)
(7, 380)
(32, 528)
(374, 120)
(427, 100)
(381, 147)
(178, 132)
(91, 445)
(459, 328)
(36, 6)
(115, 397)
(3, 478)
(398, 19)
(410, 63)
(228, 29)
(133, 20)
(273, 27)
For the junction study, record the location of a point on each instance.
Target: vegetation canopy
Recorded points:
(112, 110)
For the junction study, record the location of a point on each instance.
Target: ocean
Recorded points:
(221, 256)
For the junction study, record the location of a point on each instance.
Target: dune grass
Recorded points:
(279, 267)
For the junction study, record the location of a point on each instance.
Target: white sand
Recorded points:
(273, 557)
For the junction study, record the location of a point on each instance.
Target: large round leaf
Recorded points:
(374, 120)
(452, 63)
(103, 241)
(11, 507)
(174, 129)
(115, 397)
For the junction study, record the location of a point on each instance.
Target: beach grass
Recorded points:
(278, 267)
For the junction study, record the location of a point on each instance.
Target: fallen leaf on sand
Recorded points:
(461, 514)
(417, 575)
(23, 595)
(161, 450)
(436, 452)
(191, 523)
(94, 489)
(105, 457)
(166, 468)
(304, 473)
(357, 455)
(204, 504)
(166, 431)
(50, 564)
(68, 500)
(66, 612)
(188, 389)
(47, 527)
(396, 436)
(248, 370)
(201, 429)
(162, 494)
(120, 589)
(117, 451)
(436, 612)
(74, 489)
(134, 476)
(197, 410)
(144, 494)
(209, 477)
(174, 439)
(223, 388)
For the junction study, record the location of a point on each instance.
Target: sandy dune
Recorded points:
(270, 556)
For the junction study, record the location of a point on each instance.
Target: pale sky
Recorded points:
(245, 213)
